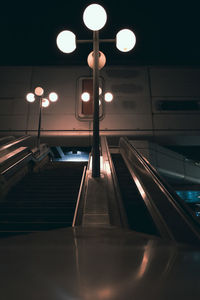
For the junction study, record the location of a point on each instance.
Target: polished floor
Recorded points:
(88, 263)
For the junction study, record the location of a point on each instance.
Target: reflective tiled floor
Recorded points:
(96, 264)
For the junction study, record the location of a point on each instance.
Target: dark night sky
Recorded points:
(167, 32)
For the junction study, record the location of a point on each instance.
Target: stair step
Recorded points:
(43, 200)
(35, 218)
(37, 226)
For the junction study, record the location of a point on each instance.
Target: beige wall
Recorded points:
(133, 110)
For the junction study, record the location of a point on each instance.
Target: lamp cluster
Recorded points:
(43, 102)
(95, 18)
(31, 97)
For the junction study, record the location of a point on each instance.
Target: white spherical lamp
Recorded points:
(39, 91)
(102, 60)
(108, 97)
(30, 97)
(85, 97)
(125, 40)
(45, 102)
(53, 97)
(94, 17)
(66, 41)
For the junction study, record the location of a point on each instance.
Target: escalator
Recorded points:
(139, 218)
(43, 200)
(144, 191)
(6, 139)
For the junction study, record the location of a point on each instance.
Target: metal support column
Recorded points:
(95, 149)
(39, 124)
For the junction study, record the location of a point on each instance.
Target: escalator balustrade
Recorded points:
(139, 218)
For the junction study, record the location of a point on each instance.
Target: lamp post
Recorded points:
(43, 103)
(95, 18)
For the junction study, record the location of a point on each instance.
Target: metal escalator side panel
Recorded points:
(4, 140)
(117, 211)
(13, 143)
(170, 215)
(154, 212)
(99, 203)
(139, 218)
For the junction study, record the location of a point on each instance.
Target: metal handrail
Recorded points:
(15, 142)
(175, 200)
(20, 161)
(123, 217)
(15, 164)
(6, 139)
(79, 196)
(153, 210)
(166, 195)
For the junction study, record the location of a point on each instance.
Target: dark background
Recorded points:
(167, 32)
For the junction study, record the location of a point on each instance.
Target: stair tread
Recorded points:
(44, 198)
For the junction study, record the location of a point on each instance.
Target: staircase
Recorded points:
(44, 200)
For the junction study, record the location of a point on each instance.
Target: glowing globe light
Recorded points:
(125, 40)
(53, 97)
(39, 91)
(66, 41)
(108, 97)
(94, 17)
(85, 97)
(101, 63)
(30, 97)
(45, 102)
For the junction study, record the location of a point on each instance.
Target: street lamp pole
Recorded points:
(39, 123)
(43, 102)
(95, 149)
(95, 18)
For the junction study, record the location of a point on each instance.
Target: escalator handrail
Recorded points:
(6, 139)
(123, 216)
(175, 199)
(163, 186)
(30, 156)
(169, 190)
(15, 142)
(152, 208)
